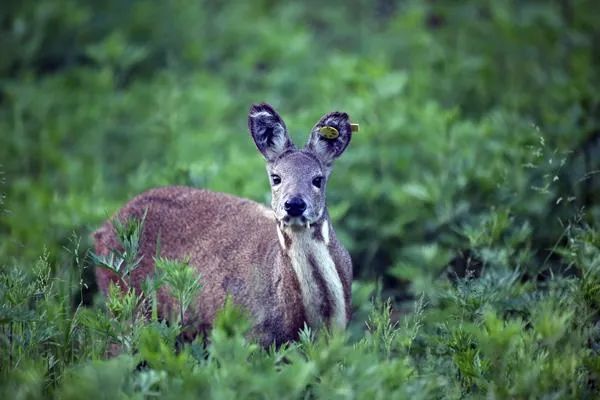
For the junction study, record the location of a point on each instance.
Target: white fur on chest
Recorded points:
(303, 248)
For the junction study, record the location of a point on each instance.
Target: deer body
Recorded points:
(284, 265)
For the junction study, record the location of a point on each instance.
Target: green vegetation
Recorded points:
(469, 200)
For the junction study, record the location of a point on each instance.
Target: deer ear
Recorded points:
(268, 131)
(330, 137)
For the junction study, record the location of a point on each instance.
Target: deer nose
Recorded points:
(294, 206)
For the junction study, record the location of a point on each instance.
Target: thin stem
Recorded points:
(181, 311)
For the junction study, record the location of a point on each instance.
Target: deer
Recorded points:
(283, 265)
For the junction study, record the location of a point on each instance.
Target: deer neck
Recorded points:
(308, 250)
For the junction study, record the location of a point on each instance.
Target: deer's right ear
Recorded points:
(330, 137)
(268, 131)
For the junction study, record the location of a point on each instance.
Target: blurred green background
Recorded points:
(470, 197)
(479, 120)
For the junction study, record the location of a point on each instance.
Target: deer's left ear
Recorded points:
(330, 137)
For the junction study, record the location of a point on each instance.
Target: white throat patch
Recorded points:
(303, 249)
(281, 238)
(325, 232)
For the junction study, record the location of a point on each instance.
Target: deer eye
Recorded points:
(276, 179)
(318, 181)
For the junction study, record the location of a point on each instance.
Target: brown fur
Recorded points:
(234, 248)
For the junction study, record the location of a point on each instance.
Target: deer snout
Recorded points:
(294, 207)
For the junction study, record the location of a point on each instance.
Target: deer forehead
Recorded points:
(298, 164)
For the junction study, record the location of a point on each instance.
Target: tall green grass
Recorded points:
(499, 335)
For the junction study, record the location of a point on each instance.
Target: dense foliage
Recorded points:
(470, 198)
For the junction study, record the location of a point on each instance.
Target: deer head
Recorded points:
(298, 177)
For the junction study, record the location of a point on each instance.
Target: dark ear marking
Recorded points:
(327, 146)
(268, 131)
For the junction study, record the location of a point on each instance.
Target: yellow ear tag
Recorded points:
(354, 127)
(329, 132)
